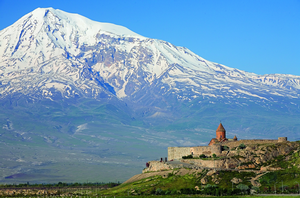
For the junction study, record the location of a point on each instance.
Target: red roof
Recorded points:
(220, 128)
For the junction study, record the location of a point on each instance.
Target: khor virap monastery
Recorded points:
(214, 146)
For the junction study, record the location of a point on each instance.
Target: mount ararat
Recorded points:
(81, 93)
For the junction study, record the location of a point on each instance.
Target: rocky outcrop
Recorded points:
(249, 166)
(236, 180)
(204, 181)
(255, 155)
(204, 163)
(157, 166)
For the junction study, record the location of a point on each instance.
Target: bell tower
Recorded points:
(220, 133)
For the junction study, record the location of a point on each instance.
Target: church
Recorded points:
(220, 136)
(214, 146)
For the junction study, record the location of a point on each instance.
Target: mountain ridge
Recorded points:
(109, 97)
(155, 57)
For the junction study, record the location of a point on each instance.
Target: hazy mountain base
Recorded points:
(245, 118)
(74, 143)
(49, 165)
(80, 139)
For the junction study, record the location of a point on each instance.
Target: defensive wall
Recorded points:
(206, 150)
(232, 144)
(178, 152)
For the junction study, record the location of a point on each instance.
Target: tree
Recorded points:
(242, 187)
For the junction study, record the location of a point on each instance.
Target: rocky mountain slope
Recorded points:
(70, 83)
(73, 55)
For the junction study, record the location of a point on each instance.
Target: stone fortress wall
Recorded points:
(206, 150)
(232, 144)
(176, 153)
(282, 139)
(215, 145)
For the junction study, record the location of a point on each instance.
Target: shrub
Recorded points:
(242, 187)
(173, 192)
(242, 146)
(158, 191)
(187, 157)
(225, 148)
(170, 174)
(202, 156)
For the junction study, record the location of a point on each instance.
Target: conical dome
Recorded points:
(220, 128)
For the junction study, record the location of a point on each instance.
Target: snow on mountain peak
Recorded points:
(50, 33)
(84, 23)
(65, 30)
(67, 51)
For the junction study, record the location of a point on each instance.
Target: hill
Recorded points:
(260, 168)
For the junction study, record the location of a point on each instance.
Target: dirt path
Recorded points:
(145, 175)
(181, 172)
(254, 181)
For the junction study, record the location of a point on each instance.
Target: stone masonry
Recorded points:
(215, 145)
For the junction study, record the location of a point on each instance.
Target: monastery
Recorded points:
(215, 145)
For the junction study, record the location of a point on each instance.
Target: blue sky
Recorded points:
(260, 36)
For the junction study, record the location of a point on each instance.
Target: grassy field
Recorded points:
(168, 196)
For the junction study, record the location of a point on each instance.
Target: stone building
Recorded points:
(220, 135)
(214, 146)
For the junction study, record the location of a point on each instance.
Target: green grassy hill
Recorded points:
(280, 173)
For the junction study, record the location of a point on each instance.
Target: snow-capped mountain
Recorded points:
(50, 51)
(99, 93)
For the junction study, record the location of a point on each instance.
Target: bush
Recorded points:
(170, 174)
(202, 156)
(242, 146)
(158, 191)
(187, 157)
(174, 192)
(187, 191)
(242, 187)
(225, 148)
(214, 155)
(210, 189)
